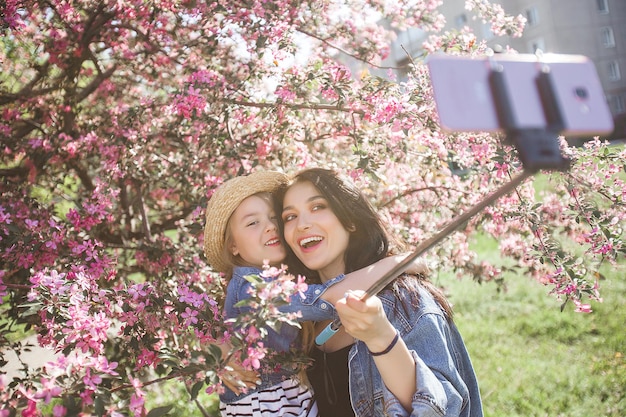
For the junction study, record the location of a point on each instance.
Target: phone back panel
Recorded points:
(462, 93)
(580, 98)
(465, 102)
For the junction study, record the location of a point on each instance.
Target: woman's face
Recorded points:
(313, 231)
(254, 231)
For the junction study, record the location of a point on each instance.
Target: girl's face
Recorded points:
(313, 231)
(254, 232)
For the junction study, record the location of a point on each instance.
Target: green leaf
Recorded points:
(195, 390)
(159, 411)
(99, 406)
(215, 351)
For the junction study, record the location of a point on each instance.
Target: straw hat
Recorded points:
(225, 201)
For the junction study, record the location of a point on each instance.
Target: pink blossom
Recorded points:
(48, 391)
(59, 411)
(255, 355)
(137, 404)
(330, 94)
(4, 217)
(10, 17)
(285, 94)
(581, 307)
(86, 396)
(102, 364)
(263, 148)
(137, 290)
(31, 409)
(190, 316)
(252, 334)
(301, 286)
(91, 381)
(186, 295)
(146, 358)
(502, 170)
(31, 223)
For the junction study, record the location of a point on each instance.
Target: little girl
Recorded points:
(241, 233)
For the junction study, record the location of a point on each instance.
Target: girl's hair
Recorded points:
(369, 239)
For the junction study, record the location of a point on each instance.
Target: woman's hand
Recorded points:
(235, 376)
(365, 320)
(239, 379)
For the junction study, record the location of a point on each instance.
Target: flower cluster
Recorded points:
(81, 323)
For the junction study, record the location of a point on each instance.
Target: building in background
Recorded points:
(594, 28)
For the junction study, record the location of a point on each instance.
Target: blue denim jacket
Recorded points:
(445, 379)
(312, 307)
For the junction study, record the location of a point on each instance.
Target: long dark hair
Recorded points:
(369, 240)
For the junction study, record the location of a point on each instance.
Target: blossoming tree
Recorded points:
(119, 118)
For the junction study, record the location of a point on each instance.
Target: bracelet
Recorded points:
(388, 349)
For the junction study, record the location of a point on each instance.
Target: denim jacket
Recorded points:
(445, 379)
(312, 308)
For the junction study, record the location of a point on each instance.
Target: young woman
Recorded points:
(241, 233)
(398, 353)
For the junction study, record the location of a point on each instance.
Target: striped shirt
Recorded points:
(288, 398)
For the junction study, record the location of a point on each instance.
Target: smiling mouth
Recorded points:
(272, 242)
(307, 242)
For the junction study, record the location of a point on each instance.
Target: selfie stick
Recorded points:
(333, 327)
(538, 149)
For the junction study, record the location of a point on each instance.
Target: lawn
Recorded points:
(534, 360)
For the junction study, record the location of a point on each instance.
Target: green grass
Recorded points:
(174, 394)
(11, 331)
(534, 360)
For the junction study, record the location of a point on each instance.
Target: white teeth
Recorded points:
(311, 239)
(271, 242)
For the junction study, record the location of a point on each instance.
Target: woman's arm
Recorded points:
(319, 299)
(432, 382)
(367, 321)
(364, 278)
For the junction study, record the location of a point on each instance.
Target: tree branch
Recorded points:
(82, 174)
(296, 106)
(343, 51)
(93, 85)
(417, 190)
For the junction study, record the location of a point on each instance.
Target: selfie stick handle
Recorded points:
(328, 332)
(333, 327)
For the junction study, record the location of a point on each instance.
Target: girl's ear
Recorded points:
(351, 228)
(234, 250)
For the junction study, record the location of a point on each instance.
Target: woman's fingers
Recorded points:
(238, 379)
(362, 319)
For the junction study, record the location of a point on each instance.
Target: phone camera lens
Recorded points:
(581, 93)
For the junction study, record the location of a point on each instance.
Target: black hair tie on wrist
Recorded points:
(388, 349)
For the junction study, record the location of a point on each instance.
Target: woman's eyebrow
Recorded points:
(308, 200)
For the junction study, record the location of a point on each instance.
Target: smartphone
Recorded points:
(567, 84)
